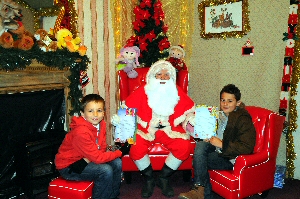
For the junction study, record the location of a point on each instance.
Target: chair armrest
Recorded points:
(183, 80)
(245, 161)
(123, 85)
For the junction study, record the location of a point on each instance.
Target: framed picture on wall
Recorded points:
(223, 18)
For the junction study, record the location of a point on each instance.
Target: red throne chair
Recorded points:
(157, 152)
(253, 174)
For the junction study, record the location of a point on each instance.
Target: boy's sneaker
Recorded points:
(197, 192)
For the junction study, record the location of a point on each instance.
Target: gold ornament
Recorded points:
(58, 20)
(293, 115)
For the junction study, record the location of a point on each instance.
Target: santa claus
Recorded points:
(163, 112)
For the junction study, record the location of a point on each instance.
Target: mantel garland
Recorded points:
(13, 59)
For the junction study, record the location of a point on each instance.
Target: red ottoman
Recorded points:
(60, 188)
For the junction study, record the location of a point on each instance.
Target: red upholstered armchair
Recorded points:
(253, 173)
(157, 152)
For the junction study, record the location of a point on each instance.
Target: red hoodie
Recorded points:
(80, 143)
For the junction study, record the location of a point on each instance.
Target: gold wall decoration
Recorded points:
(54, 11)
(218, 22)
(122, 15)
(58, 20)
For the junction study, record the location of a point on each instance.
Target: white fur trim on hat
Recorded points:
(158, 66)
(179, 48)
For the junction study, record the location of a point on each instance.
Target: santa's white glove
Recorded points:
(115, 120)
(192, 120)
(190, 123)
(123, 105)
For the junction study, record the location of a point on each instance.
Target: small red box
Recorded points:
(67, 189)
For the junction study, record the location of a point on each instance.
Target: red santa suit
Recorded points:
(173, 136)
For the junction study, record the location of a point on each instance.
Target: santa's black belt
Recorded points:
(160, 126)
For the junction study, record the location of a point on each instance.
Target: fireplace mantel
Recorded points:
(36, 77)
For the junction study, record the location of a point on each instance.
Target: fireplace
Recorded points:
(33, 118)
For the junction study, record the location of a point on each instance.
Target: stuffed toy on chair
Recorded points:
(176, 55)
(128, 60)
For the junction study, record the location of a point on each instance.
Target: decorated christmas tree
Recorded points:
(150, 32)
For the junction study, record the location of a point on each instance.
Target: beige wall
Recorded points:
(217, 62)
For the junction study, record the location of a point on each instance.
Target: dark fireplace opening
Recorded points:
(31, 130)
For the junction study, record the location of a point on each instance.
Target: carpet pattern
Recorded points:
(290, 190)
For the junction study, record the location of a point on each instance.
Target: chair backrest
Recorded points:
(268, 125)
(128, 85)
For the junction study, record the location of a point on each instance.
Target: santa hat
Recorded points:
(158, 66)
(178, 47)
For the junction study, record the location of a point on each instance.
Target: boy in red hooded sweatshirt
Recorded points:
(83, 154)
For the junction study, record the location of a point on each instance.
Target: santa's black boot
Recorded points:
(149, 185)
(163, 181)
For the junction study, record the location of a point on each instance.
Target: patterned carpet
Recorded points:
(290, 190)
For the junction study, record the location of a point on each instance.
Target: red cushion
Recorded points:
(65, 189)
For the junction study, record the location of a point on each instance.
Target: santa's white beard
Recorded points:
(162, 98)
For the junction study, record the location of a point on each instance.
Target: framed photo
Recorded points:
(223, 18)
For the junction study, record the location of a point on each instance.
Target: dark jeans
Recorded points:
(206, 158)
(106, 178)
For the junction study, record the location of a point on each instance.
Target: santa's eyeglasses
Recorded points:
(165, 76)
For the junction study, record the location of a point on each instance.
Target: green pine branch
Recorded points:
(13, 59)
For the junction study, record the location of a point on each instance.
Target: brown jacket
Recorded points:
(239, 136)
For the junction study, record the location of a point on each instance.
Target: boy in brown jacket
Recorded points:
(235, 136)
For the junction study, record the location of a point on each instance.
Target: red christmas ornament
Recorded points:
(136, 25)
(148, 3)
(144, 14)
(137, 10)
(165, 29)
(131, 41)
(158, 4)
(163, 44)
(157, 22)
(150, 36)
(142, 5)
(145, 3)
(143, 46)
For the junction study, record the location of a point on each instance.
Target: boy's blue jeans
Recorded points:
(206, 158)
(106, 178)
